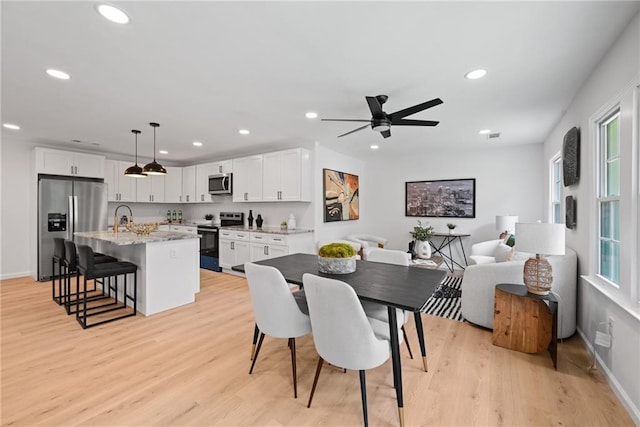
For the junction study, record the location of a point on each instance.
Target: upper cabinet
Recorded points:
(286, 176)
(225, 166)
(150, 189)
(58, 162)
(173, 185)
(120, 188)
(189, 184)
(202, 181)
(247, 179)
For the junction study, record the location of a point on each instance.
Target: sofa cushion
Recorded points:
(481, 259)
(502, 252)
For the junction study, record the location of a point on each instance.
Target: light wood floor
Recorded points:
(189, 366)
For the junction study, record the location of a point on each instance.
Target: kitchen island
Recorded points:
(168, 264)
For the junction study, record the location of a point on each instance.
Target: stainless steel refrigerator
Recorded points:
(67, 205)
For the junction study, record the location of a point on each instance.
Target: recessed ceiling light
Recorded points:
(311, 115)
(484, 131)
(243, 132)
(113, 14)
(163, 152)
(11, 126)
(197, 143)
(375, 147)
(476, 74)
(58, 74)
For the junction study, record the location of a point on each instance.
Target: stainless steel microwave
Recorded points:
(220, 183)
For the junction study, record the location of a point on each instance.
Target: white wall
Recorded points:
(15, 226)
(508, 181)
(618, 70)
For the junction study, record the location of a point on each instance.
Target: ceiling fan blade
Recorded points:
(415, 109)
(405, 122)
(375, 106)
(345, 120)
(386, 133)
(355, 130)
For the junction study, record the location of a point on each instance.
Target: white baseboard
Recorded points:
(14, 275)
(633, 411)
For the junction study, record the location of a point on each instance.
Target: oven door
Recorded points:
(209, 248)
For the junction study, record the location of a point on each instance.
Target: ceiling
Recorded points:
(204, 70)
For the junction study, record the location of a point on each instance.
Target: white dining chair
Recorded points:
(342, 333)
(276, 312)
(379, 311)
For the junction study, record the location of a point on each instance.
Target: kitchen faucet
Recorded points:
(115, 218)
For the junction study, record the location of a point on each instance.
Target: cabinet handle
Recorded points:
(220, 169)
(266, 250)
(232, 246)
(246, 196)
(202, 197)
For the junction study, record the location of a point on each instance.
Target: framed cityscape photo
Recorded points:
(441, 198)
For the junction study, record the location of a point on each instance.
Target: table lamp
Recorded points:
(506, 224)
(541, 239)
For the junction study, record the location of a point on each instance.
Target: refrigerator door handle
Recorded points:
(70, 219)
(75, 216)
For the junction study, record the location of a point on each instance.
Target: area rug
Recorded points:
(446, 301)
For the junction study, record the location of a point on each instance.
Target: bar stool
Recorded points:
(70, 266)
(89, 269)
(58, 258)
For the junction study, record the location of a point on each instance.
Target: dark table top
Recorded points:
(407, 288)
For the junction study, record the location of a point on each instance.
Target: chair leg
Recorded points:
(255, 356)
(363, 392)
(315, 381)
(292, 345)
(406, 341)
(256, 332)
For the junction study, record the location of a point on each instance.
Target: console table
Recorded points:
(447, 240)
(522, 321)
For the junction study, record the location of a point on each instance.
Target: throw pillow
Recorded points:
(510, 240)
(502, 252)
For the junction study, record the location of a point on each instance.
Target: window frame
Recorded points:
(603, 163)
(555, 182)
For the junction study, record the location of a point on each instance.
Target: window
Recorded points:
(556, 189)
(609, 198)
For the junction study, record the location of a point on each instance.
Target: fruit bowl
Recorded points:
(142, 228)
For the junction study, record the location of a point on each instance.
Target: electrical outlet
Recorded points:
(611, 325)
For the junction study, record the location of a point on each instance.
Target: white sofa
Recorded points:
(481, 277)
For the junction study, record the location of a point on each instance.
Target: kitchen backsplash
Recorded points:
(272, 213)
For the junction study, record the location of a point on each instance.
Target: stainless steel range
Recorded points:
(209, 245)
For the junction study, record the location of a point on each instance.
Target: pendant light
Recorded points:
(135, 171)
(154, 168)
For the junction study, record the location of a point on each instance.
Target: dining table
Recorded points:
(396, 286)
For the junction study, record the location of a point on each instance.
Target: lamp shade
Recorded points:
(506, 222)
(540, 238)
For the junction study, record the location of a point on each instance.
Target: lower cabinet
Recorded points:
(238, 247)
(233, 247)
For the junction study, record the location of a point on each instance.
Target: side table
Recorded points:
(522, 321)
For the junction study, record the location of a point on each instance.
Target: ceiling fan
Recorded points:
(382, 122)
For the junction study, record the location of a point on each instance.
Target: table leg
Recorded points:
(419, 330)
(395, 357)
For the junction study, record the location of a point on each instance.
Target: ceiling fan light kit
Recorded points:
(154, 168)
(382, 122)
(135, 171)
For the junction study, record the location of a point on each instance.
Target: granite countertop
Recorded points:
(129, 238)
(270, 230)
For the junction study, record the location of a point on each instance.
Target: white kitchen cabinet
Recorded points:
(225, 166)
(234, 248)
(247, 179)
(189, 184)
(202, 182)
(265, 245)
(189, 229)
(173, 185)
(121, 188)
(150, 189)
(59, 162)
(286, 176)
